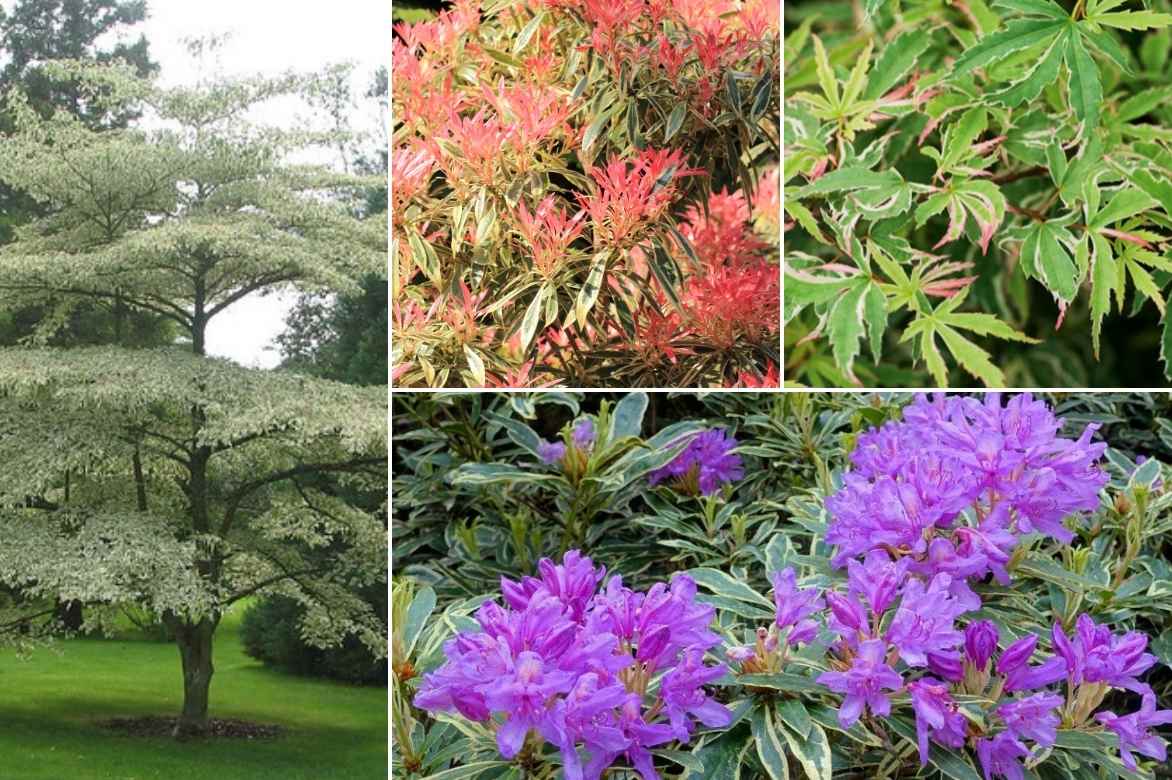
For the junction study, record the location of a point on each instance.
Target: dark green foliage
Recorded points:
(342, 338)
(270, 633)
(39, 30)
(345, 338)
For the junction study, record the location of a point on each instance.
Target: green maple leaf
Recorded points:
(947, 323)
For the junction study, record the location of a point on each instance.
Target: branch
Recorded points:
(284, 575)
(236, 497)
(259, 283)
(1024, 173)
(163, 309)
(25, 619)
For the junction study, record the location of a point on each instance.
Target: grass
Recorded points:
(50, 702)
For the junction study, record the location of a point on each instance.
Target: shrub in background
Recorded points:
(270, 631)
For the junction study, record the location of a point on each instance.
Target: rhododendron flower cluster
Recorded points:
(610, 672)
(936, 503)
(923, 654)
(558, 158)
(955, 483)
(706, 463)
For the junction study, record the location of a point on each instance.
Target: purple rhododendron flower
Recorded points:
(980, 642)
(638, 735)
(937, 716)
(1133, 731)
(615, 672)
(551, 452)
(573, 581)
(683, 695)
(583, 434)
(1001, 756)
(877, 578)
(848, 618)
(1019, 675)
(991, 541)
(925, 620)
(944, 557)
(1094, 654)
(864, 683)
(794, 606)
(708, 458)
(1017, 654)
(477, 661)
(583, 715)
(521, 690)
(1033, 717)
(946, 664)
(873, 515)
(660, 623)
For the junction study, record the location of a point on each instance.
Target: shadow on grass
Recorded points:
(72, 742)
(52, 703)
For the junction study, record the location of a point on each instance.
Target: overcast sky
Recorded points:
(266, 36)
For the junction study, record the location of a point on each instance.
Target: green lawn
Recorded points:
(50, 702)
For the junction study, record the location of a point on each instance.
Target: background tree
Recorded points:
(38, 31)
(162, 477)
(344, 337)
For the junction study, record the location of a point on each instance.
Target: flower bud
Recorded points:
(980, 642)
(583, 435)
(1017, 654)
(847, 611)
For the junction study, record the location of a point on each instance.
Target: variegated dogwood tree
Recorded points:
(165, 478)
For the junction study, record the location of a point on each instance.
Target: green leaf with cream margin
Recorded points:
(1017, 35)
(853, 307)
(1085, 87)
(1046, 256)
(1109, 274)
(841, 104)
(1049, 27)
(947, 323)
(1103, 13)
(963, 198)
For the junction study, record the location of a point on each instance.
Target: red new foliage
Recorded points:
(584, 193)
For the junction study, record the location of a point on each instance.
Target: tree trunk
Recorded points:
(195, 653)
(70, 615)
(198, 338)
(199, 320)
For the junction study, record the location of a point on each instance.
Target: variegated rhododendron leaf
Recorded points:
(1005, 159)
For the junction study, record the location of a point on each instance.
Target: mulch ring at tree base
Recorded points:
(218, 728)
